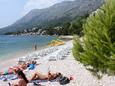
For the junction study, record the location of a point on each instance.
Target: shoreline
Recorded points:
(12, 59)
(15, 56)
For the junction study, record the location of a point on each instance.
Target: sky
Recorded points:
(12, 10)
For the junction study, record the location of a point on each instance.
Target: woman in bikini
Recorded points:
(49, 76)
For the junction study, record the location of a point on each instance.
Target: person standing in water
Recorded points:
(35, 46)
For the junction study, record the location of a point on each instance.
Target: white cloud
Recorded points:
(40, 4)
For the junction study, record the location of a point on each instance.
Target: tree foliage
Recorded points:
(76, 26)
(96, 50)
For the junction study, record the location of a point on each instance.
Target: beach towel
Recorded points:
(39, 81)
(42, 82)
(8, 77)
(4, 84)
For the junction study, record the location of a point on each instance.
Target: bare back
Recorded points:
(22, 83)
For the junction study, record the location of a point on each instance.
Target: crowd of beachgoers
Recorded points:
(31, 62)
(47, 67)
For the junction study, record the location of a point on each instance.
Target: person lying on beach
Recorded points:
(7, 71)
(21, 81)
(22, 67)
(11, 70)
(49, 76)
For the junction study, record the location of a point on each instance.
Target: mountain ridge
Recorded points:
(65, 10)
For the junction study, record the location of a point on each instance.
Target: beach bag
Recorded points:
(64, 80)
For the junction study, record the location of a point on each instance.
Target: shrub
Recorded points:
(97, 48)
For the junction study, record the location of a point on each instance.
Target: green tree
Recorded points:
(96, 50)
(76, 26)
(65, 29)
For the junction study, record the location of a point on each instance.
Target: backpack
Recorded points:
(64, 80)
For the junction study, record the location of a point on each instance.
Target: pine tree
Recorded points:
(97, 49)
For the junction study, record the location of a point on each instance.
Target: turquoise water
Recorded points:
(12, 44)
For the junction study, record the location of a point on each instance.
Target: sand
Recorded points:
(70, 68)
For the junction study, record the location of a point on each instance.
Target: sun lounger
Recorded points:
(52, 58)
(61, 55)
(37, 55)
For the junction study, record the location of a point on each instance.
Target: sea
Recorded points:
(11, 45)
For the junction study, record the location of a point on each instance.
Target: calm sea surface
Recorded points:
(10, 45)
